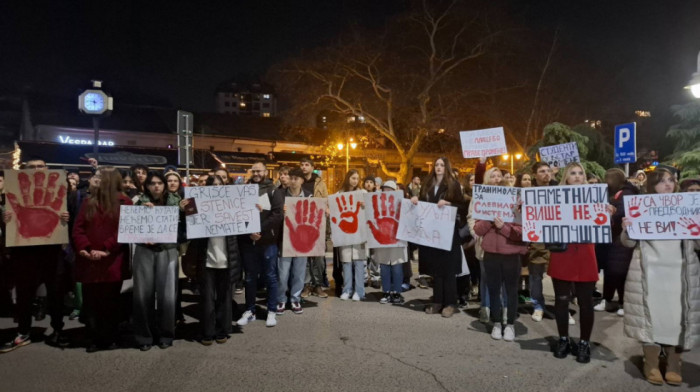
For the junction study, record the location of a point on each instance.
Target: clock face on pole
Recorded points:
(94, 102)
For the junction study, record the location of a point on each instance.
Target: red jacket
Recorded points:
(576, 264)
(100, 233)
(507, 241)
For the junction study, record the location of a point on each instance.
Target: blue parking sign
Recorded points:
(626, 143)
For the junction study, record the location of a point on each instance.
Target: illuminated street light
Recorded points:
(347, 146)
(694, 83)
(512, 157)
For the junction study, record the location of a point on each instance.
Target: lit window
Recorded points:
(266, 96)
(266, 114)
(242, 104)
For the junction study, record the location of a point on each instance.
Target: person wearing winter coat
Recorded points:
(662, 294)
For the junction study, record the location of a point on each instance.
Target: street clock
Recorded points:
(94, 101)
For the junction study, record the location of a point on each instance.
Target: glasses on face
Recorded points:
(36, 166)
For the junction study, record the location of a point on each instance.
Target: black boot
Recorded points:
(40, 313)
(563, 348)
(584, 352)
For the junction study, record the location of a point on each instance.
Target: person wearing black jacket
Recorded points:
(259, 250)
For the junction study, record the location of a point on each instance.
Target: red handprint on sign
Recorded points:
(308, 218)
(691, 225)
(600, 210)
(529, 229)
(387, 217)
(635, 203)
(38, 214)
(348, 218)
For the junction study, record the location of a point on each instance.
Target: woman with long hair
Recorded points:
(662, 294)
(155, 276)
(574, 270)
(353, 257)
(442, 188)
(102, 263)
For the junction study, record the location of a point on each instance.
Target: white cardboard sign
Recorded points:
(426, 224)
(142, 224)
(560, 155)
(383, 210)
(223, 210)
(663, 216)
(492, 201)
(348, 223)
(304, 227)
(483, 142)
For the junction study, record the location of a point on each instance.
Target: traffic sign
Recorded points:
(626, 143)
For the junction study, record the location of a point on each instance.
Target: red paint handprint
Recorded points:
(38, 215)
(387, 217)
(308, 218)
(529, 229)
(635, 203)
(348, 218)
(601, 213)
(691, 225)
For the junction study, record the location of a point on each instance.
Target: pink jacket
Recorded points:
(506, 241)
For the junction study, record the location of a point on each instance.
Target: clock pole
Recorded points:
(97, 104)
(96, 127)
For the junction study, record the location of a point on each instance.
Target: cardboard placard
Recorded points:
(142, 224)
(663, 216)
(492, 201)
(483, 143)
(427, 224)
(36, 199)
(223, 210)
(304, 227)
(566, 214)
(348, 223)
(383, 211)
(560, 155)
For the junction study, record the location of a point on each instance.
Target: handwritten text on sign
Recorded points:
(568, 214)
(483, 142)
(496, 201)
(560, 155)
(667, 216)
(426, 224)
(142, 224)
(223, 210)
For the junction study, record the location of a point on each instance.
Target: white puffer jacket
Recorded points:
(637, 319)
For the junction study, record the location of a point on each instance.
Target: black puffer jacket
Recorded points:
(270, 220)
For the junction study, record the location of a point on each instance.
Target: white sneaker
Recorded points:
(496, 332)
(356, 297)
(571, 320)
(621, 312)
(271, 319)
(247, 317)
(509, 333)
(601, 307)
(537, 315)
(345, 296)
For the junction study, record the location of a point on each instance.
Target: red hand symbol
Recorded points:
(308, 217)
(691, 225)
(348, 218)
(601, 217)
(387, 219)
(38, 216)
(634, 207)
(530, 229)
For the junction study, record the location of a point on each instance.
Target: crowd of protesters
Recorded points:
(119, 289)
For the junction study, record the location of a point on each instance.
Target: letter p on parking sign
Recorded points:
(626, 143)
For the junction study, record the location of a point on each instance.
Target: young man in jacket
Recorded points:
(259, 250)
(316, 267)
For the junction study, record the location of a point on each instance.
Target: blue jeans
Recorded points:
(392, 277)
(359, 267)
(297, 267)
(258, 259)
(535, 277)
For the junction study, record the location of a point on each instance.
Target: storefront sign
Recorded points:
(65, 139)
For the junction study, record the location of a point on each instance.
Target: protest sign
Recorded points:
(560, 155)
(223, 210)
(483, 142)
(143, 224)
(663, 216)
(348, 224)
(566, 214)
(36, 199)
(304, 227)
(492, 201)
(383, 210)
(427, 224)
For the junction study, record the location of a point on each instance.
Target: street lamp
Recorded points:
(349, 144)
(694, 83)
(512, 156)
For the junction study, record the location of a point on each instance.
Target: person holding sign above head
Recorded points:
(574, 270)
(101, 262)
(442, 188)
(353, 257)
(662, 294)
(155, 275)
(503, 247)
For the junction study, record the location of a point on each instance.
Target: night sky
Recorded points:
(638, 52)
